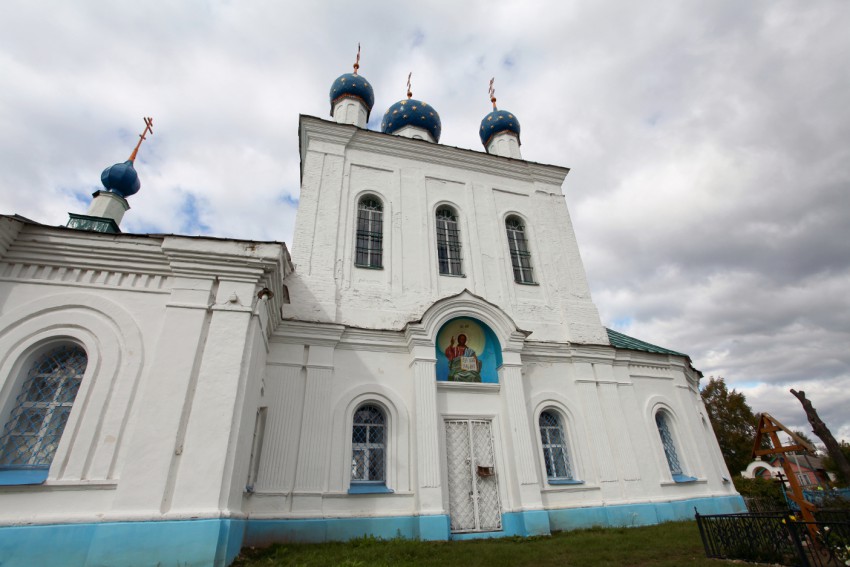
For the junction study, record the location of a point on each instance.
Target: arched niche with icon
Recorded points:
(467, 351)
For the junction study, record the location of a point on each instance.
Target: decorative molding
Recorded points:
(313, 128)
(293, 331)
(84, 278)
(468, 386)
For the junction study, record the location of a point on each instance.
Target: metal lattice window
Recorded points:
(448, 242)
(370, 234)
(555, 451)
(31, 435)
(667, 442)
(520, 255)
(368, 445)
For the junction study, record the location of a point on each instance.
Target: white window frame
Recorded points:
(519, 250)
(369, 233)
(448, 240)
(564, 448)
(58, 407)
(368, 447)
(672, 444)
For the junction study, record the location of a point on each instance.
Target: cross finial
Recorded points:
(409, 93)
(357, 61)
(142, 137)
(493, 93)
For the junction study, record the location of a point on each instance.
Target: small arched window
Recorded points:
(35, 425)
(448, 242)
(368, 445)
(370, 233)
(670, 451)
(520, 255)
(555, 451)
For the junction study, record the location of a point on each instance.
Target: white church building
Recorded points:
(427, 364)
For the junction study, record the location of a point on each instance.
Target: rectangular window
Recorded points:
(370, 238)
(520, 255)
(448, 243)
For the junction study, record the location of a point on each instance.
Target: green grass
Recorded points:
(666, 545)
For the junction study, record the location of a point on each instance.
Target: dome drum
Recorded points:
(497, 122)
(355, 87)
(412, 113)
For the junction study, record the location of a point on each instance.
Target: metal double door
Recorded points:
(473, 485)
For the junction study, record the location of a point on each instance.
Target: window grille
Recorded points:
(31, 435)
(370, 234)
(520, 255)
(555, 451)
(368, 445)
(669, 445)
(448, 243)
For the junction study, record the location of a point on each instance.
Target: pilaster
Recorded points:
(429, 487)
(589, 398)
(313, 452)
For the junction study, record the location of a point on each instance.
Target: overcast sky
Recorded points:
(709, 143)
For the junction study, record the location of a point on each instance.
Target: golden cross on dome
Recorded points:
(493, 93)
(357, 62)
(409, 93)
(142, 137)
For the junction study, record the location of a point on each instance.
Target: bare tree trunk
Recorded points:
(821, 430)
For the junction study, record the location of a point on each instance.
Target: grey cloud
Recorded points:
(709, 144)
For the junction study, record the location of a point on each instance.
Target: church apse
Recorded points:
(467, 351)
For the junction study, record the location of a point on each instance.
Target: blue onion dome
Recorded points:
(354, 86)
(412, 112)
(121, 178)
(496, 122)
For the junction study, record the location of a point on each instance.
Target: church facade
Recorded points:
(427, 364)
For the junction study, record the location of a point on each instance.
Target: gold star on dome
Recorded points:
(342, 80)
(402, 102)
(424, 104)
(510, 115)
(414, 108)
(489, 118)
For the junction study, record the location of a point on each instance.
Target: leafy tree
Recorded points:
(733, 422)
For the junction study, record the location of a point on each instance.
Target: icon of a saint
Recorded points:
(464, 365)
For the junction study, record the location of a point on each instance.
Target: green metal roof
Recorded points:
(619, 340)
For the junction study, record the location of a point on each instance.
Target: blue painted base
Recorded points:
(259, 533)
(191, 543)
(642, 514)
(188, 543)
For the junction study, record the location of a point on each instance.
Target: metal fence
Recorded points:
(778, 538)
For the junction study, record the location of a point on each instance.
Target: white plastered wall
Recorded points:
(341, 164)
(156, 430)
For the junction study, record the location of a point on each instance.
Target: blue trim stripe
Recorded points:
(196, 543)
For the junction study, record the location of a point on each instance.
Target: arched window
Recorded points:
(448, 242)
(370, 233)
(518, 245)
(555, 450)
(670, 450)
(37, 420)
(368, 445)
